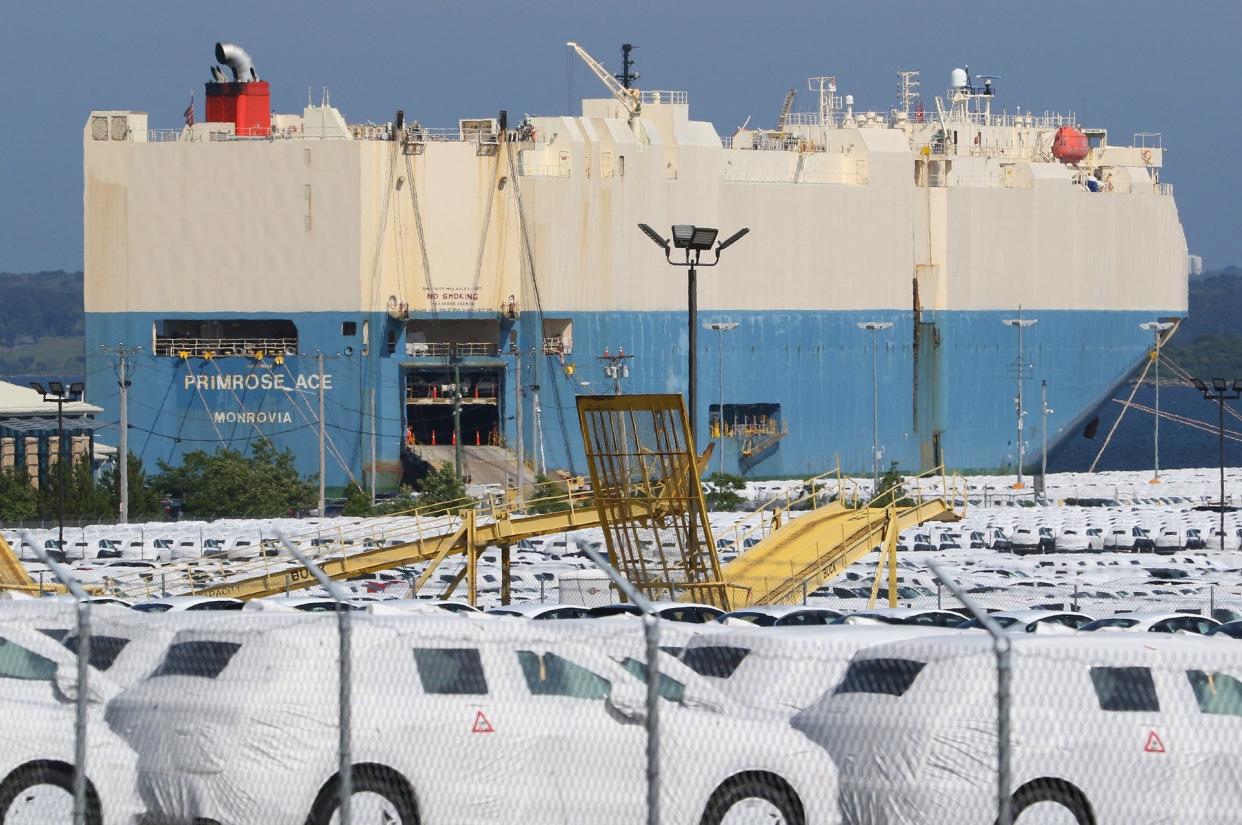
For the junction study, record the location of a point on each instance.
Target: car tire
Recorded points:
(1058, 793)
(372, 779)
(31, 776)
(779, 796)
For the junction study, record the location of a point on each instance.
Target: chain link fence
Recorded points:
(417, 715)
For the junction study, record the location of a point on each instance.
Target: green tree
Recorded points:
(74, 488)
(441, 491)
(265, 484)
(357, 502)
(549, 495)
(892, 487)
(19, 501)
(722, 492)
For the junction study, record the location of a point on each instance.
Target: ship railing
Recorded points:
(663, 96)
(445, 349)
(421, 391)
(224, 347)
(775, 142)
(1164, 189)
(168, 135)
(557, 346)
(440, 349)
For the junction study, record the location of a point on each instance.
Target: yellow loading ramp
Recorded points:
(811, 550)
(476, 530)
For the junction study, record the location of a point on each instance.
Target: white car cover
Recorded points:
(913, 729)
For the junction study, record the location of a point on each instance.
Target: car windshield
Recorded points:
(760, 619)
(1003, 621)
(888, 676)
(204, 659)
(153, 607)
(104, 649)
(1217, 693)
(1113, 622)
(550, 675)
(719, 661)
(670, 688)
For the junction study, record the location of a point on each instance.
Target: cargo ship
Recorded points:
(390, 289)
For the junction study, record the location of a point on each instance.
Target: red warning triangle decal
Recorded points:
(1154, 745)
(481, 725)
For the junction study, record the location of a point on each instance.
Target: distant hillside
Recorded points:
(1209, 342)
(41, 323)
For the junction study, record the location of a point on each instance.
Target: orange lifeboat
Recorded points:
(1069, 145)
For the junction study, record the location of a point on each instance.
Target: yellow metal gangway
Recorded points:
(803, 553)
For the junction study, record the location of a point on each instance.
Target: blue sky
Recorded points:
(1130, 66)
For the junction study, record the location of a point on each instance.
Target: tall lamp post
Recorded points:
(874, 327)
(1157, 327)
(694, 240)
(1220, 392)
(721, 327)
(1021, 368)
(55, 394)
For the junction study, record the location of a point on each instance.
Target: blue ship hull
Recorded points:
(946, 392)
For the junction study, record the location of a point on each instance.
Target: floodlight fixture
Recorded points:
(37, 387)
(76, 389)
(656, 238)
(56, 387)
(732, 239)
(1221, 391)
(703, 238)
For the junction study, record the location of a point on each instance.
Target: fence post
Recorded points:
(82, 697)
(651, 630)
(344, 611)
(1002, 646)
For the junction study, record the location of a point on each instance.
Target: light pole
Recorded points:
(721, 327)
(1045, 411)
(874, 327)
(1157, 327)
(1020, 371)
(695, 240)
(55, 394)
(1220, 392)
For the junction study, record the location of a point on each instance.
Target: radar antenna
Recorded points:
(628, 75)
(829, 101)
(907, 91)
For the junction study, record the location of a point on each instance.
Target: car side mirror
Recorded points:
(67, 685)
(629, 699)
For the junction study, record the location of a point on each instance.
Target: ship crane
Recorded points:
(629, 98)
(782, 120)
